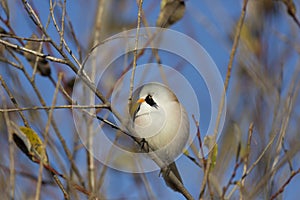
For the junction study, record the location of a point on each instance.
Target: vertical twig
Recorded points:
(288, 107)
(135, 52)
(246, 162)
(36, 20)
(246, 159)
(228, 75)
(35, 68)
(50, 113)
(230, 63)
(155, 51)
(11, 151)
(62, 24)
(90, 143)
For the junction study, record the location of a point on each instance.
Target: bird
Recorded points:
(160, 119)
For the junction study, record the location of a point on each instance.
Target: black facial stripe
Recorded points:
(149, 100)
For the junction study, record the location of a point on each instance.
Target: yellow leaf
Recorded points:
(30, 143)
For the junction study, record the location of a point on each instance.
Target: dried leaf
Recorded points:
(2, 47)
(171, 11)
(43, 66)
(21, 140)
(291, 9)
(4, 5)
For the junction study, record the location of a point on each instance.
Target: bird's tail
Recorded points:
(166, 175)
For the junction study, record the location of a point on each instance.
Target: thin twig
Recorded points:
(13, 100)
(11, 151)
(291, 10)
(36, 63)
(246, 162)
(228, 75)
(39, 183)
(19, 48)
(90, 133)
(58, 134)
(289, 105)
(24, 38)
(50, 113)
(55, 107)
(235, 43)
(266, 178)
(230, 181)
(37, 21)
(281, 189)
(63, 23)
(199, 140)
(140, 4)
(71, 29)
(10, 63)
(105, 167)
(86, 80)
(155, 51)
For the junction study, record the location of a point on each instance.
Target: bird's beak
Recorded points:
(141, 100)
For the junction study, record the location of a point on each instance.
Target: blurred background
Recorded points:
(257, 155)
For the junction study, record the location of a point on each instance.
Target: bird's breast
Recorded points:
(158, 126)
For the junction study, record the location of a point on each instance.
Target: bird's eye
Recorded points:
(149, 100)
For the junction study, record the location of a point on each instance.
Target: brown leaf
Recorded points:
(171, 11)
(43, 66)
(4, 5)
